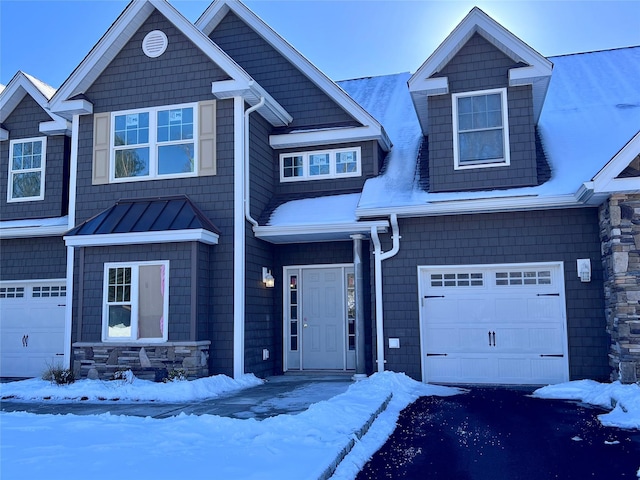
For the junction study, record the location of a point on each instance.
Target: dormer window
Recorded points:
(481, 129)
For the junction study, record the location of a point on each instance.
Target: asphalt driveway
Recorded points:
(498, 433)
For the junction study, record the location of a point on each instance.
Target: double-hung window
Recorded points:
(154, 143)
(26, 169)
(136, 302)
(481, 130)
(321, 164)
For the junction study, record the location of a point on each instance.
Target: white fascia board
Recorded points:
(215, 13)
(69, 108)
(310, 233)
(477, 21)
(56, 127)
(119, 34)
(252, 93)
(318, 137)
(474, 206)
(4, 135)
(33, 232)
(138, 238)
(19, 86)
(605, 180)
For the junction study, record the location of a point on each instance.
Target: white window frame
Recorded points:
(41, 169)
(506, 160)
(135, 266)
(153, 144)
(333, 155)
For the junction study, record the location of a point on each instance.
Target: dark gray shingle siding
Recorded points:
(24, 122)
(306, 103)
(542, 236)
(480, 66)
(32, 258)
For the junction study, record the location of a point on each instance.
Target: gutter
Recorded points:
(379, 257)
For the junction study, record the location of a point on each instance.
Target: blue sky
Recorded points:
(345, 39)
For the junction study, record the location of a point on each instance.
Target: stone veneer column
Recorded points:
(620, 237)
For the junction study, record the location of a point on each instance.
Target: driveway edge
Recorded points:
(330, 470)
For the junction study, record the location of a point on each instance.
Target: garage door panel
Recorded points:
(499, 333)
(31, 328)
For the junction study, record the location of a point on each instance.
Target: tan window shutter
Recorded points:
(207, 138)
(101, 144)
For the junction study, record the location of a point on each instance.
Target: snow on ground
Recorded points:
(137, 390)
(622, 400)
(285, 446)
(110, 446)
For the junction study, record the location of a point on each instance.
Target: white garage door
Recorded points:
(500, 324)
(31, 327)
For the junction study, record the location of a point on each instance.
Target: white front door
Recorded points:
(31, 327)
(319, 318)
(502, 324)
(323, 319)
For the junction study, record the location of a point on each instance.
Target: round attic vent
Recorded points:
(154, 44)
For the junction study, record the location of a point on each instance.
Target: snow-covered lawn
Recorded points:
(285, 447)
(109, 446)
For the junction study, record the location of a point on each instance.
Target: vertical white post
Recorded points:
(238, 236)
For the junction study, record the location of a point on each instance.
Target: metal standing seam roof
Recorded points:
(159, 214)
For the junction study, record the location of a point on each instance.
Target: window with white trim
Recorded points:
(136, 302)
(26, 169)
(321, 164)
(153, 143)
(480, 129)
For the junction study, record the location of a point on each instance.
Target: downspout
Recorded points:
(247, 180)
(379, 257)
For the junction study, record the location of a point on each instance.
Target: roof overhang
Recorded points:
(279, 234)
(22, 85)
(537, 71)
(252, 93)
(33, 228)
(584, 197)
(606, 180)
(65, 102)
(140, 238)
(338, 135)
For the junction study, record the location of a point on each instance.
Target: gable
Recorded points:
(183, 73)
(25, 118)
(633, 170)
(307, 104)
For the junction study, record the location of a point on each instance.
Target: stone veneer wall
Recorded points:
(620, 234)
(149, 362)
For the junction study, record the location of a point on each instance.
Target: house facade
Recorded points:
(221, 206)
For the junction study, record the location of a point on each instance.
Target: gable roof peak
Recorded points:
(21, 85)
(536, 70)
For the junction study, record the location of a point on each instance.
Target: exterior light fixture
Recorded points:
(267, 278)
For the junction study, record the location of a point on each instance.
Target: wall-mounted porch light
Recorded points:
(267, 278)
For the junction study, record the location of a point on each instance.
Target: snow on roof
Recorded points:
(330, 210)
(47, 90)
(592, 109)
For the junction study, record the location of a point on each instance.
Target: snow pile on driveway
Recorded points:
(188, 446)
(622, 400)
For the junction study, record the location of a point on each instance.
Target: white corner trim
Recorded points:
(73, 170)
(139, 238)
(319, 137)
(4, 135)
(239, 232)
